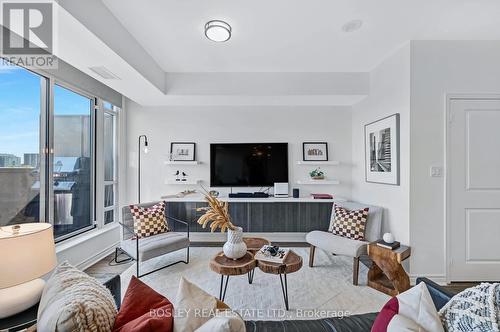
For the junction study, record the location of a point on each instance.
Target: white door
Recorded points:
(474, 190)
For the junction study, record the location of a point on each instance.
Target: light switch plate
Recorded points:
(436, 171)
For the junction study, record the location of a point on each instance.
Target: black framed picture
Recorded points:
(182, 151)
(382, 150)
(315, 151)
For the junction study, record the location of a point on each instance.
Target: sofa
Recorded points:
(357, 323)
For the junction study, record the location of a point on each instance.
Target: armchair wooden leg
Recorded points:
(355, 271)
(311, 255)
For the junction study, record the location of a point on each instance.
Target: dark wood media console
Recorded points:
(262, 216)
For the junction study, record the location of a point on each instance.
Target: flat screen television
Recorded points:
(248, 164)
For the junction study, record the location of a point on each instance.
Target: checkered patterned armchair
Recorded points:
(339, 245)
(146, 248)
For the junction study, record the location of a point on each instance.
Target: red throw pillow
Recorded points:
(144, 310)
(385, 315)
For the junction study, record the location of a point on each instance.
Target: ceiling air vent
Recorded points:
(104, 73)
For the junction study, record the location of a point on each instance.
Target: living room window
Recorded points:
(72, 161)
(110, 162)
(56, 164)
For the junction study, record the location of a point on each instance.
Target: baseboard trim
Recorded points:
(437, 278)
(97, 257)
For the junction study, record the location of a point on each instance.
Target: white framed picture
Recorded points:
(382, 150)
(182, 151)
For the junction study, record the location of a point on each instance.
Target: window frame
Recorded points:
(46, 151)
(50, 170)
(114, 112)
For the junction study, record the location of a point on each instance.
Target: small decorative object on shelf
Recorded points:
(180, 195)
(184, 176)
(317, 174)
(217, 213)
(213, 193)
(177, 175)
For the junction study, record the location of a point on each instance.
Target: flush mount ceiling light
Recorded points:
(218, 31)
(352, 26)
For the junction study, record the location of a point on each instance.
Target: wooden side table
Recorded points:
(386, 273)
(292, 263)
(229, 267)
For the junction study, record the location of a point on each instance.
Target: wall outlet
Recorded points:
(436, 172)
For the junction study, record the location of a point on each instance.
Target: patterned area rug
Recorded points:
(326, 290)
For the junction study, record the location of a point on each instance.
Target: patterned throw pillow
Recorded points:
(350, 224)
(149, 221)
(474, 309)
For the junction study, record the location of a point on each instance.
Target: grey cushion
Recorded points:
(336, 244)
(156, 245)
(374, 222)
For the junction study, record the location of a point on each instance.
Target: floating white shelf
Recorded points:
(188, 182)
(314, 182)
(171, 162)
(319, 163)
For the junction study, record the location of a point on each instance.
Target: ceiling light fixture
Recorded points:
(218, 31)
(352, 26)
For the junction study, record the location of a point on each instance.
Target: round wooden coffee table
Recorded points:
(292, 263)
(229, 267)
(255, 243)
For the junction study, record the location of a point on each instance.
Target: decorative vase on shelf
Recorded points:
(235, 248)
(317, 174)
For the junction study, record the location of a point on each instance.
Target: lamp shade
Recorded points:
(27, 252)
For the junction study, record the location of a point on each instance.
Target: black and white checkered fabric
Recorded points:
(350, 224)
(149, 221)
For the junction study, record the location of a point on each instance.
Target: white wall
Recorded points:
(209, 124)
(390, 93)
(438, 68)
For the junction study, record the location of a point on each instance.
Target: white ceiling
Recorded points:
(297, 36)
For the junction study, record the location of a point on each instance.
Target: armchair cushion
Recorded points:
(373, 224)
(337, 244)
(149, 220)
(349, 223)
(155, 245)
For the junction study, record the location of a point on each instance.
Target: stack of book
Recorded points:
(272, 254)
(322, 196)
(391, 246)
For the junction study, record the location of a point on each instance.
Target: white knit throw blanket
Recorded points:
(74, 301)
(475, 309)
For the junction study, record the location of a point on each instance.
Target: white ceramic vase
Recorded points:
(235, 248)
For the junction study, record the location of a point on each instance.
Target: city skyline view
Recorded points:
(20, 92)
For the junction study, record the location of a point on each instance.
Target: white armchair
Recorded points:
(339, 245)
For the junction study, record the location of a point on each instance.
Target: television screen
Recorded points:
(248, 164)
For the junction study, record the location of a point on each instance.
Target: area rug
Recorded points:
(326, 290)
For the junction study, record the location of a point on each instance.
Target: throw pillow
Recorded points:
(412, 310)
(194, 307)
(74, 301)
(474, 309)
(224, 321)
(350, 224)
(144, 310)
(149, 221)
